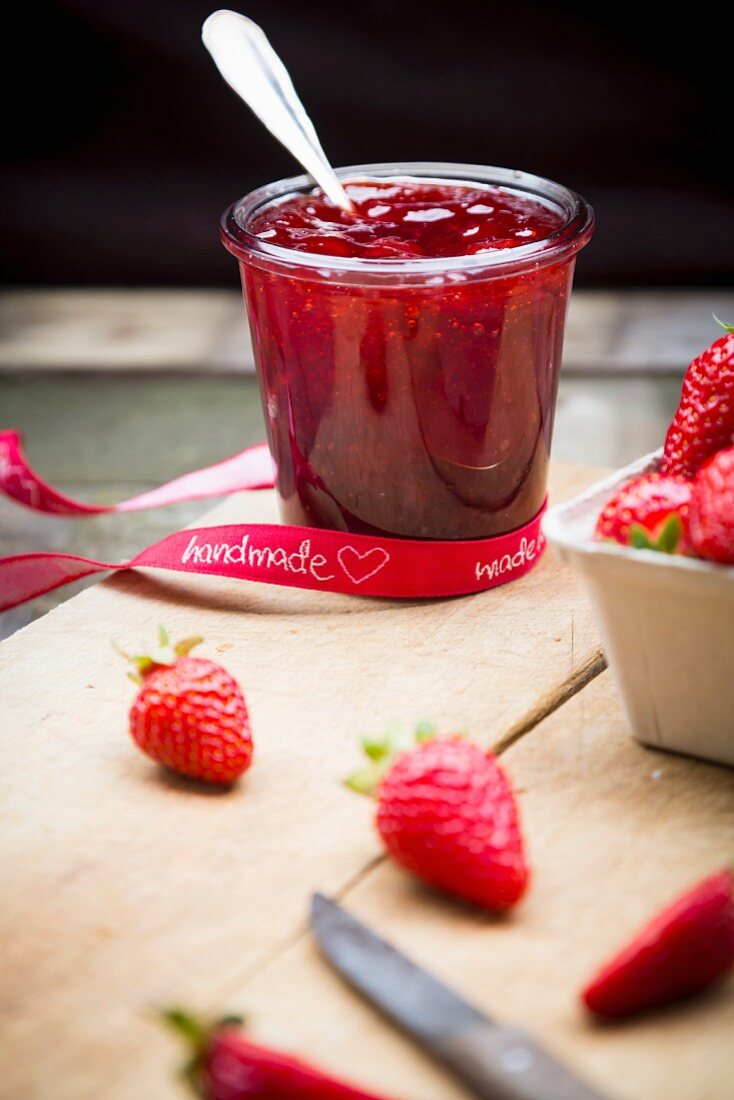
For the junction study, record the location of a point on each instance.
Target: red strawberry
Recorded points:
(190, 714)
(650, 512)
(225, 1065)
(712, 509)
(704, 421)
(680, 952)
(446, 812)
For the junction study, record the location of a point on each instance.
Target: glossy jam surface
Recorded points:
(418, 408)
(406, 219)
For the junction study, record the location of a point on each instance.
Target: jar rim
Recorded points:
(562, 243)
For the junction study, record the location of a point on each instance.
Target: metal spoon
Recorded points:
(252, 68)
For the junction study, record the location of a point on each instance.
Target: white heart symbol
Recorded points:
(360, 563)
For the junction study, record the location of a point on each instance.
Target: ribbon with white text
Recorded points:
(296, 557)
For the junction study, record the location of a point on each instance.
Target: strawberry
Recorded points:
(680, 952)
(712, 509)
(704, 420)
(446, 812)
(225, 1065)
(650, 512)
(190, 714)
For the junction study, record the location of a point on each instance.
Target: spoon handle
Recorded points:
(253, 69)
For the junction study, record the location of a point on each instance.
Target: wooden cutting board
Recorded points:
(125, 888)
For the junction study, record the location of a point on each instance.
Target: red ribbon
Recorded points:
(297, 557)
(251, 469)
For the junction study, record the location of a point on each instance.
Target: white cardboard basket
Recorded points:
(667, 626)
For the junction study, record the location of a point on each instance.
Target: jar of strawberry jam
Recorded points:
(408, 352)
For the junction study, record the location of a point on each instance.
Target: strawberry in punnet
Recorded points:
(704, 421)
(648, 513)
(225, 1065)
(190, 714)
(680, 952)
(446, 812)
(712, 509)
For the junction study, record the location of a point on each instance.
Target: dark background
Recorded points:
(125, 147)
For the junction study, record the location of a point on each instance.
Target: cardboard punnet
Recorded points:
(667, 626)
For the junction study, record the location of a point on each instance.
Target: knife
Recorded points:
(496, 1061)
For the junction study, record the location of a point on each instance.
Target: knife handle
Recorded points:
(505, 1063)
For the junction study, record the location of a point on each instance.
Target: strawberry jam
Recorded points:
(408, 351)
(407, 220)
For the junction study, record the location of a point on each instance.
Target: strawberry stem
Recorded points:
(381, 753)
(184, 647)
(197, 1036)
(186, 1025)
(724, 325)
(162, 655)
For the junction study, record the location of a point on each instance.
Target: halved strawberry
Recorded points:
(681, 951)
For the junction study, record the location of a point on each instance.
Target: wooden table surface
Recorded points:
(126, 888)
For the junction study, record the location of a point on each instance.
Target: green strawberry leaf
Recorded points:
(367, 780)
(376, 748)
(188, 1027)
(724, 325)
(163, 654)
(381, 752)
(667, 541)
(424, 731)
(184, 647)
(639, 538)
(232, 1019)
(670, 536)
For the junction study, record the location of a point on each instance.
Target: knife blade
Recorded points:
(496, 1061)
